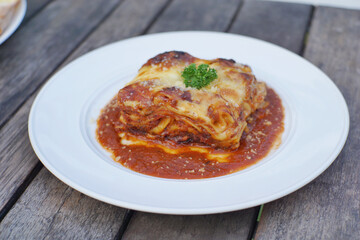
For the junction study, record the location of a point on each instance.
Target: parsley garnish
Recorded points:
(200, 77)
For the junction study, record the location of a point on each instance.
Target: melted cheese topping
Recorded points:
(158, 106)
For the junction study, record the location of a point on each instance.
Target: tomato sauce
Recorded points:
(265, 127)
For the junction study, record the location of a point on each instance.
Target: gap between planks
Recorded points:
(129, 214)
(156, 17)
(38, 166)
(241, 3)
(20, 190)
(33, 10)
(306, 35)
(57, 67)
(154, 20)
(127, 218)
(258, 211)
(328, 207)
(22, 187)
(301, 53)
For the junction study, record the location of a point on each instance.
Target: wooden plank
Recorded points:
(329, 207)
(17, 157)
(40, 214)
(33, 6)
(193, 15)
(45, 180)
(132, 18)
(234, 225)
(39, 46)
(214, 15)
(283, 24)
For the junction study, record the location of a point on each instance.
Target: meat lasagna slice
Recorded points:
(157, 106)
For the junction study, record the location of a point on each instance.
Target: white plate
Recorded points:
(15, 22)
(62, 126)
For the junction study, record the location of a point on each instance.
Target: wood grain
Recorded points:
(41, 45)
(233, 225)
(33, 6)
(51, 210)
(17, 158)
(220, 226)
(130, 19)
(192, 15)
(214, 15)
(329, 207)
(283, 24)
(65, 212)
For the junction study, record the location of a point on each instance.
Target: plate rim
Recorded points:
(189, 211)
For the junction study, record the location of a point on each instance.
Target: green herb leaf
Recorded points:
(198, 77)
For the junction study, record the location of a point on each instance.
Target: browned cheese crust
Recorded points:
(157, 106)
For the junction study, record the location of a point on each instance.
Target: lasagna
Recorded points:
(160, 126)
(156, 105)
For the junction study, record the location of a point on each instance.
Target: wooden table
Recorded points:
(36, 205)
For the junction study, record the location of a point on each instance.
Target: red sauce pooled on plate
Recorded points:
(265, 127)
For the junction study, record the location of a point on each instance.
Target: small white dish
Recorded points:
(63, 117)
(15, 22)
